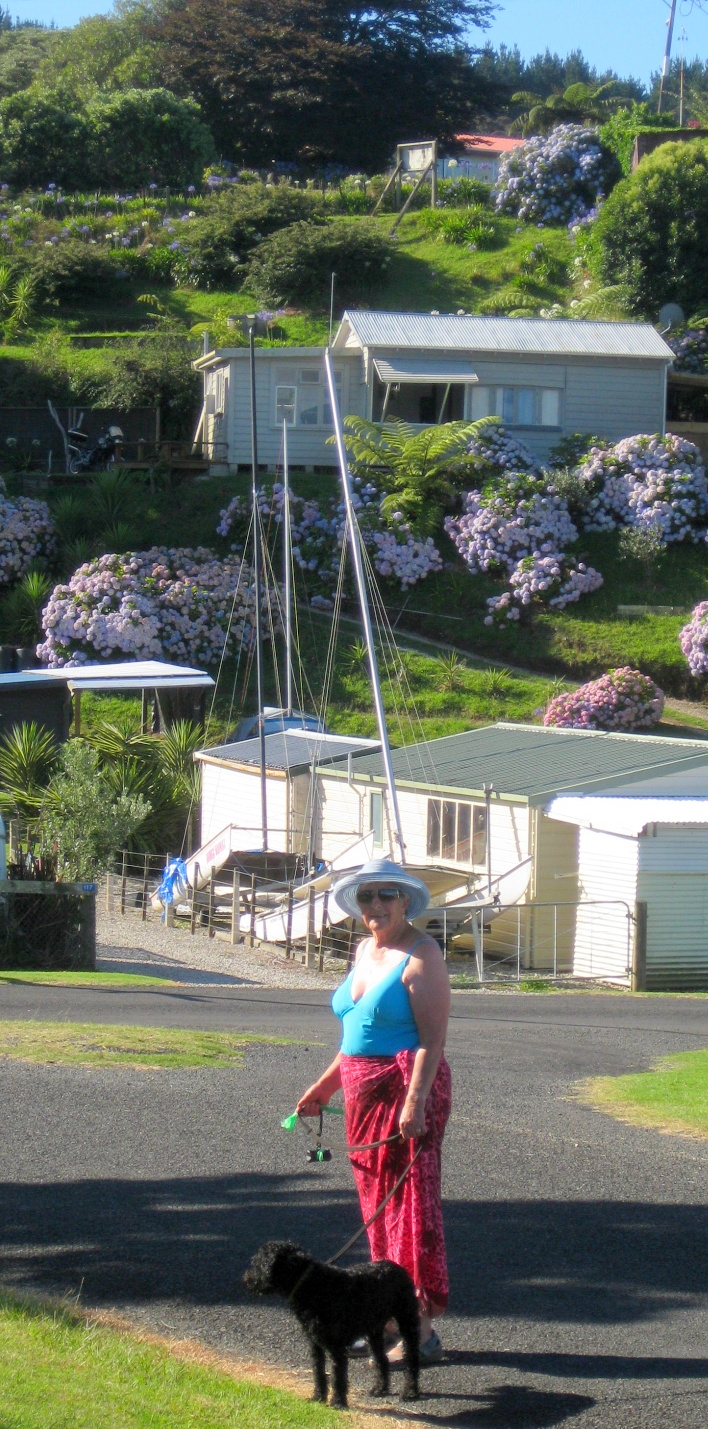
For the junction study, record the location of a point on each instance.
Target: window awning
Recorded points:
(422, 369)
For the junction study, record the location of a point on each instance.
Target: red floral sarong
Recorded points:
(410, 1229)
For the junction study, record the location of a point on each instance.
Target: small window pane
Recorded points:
(449, 813)
(526, 407)
(464, 825)
(376, 818)
(285, 405)
(507, 404)
(479, 834)
(480, 403)
(309, 375)
(308, 416)
(433, 828)
(550, 407)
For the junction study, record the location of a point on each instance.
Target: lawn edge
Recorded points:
(598, 1094)
(189, 1351)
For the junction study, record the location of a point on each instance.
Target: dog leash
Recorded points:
(290, 1122)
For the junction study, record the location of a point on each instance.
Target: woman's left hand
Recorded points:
(412, 1121)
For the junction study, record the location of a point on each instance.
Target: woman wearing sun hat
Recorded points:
(394, 1007)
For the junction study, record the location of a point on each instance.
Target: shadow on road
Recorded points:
(598, 1262)
(508, 1406)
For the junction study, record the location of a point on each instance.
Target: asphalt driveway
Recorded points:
(578, 1246)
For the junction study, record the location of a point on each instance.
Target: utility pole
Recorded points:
(667, 53)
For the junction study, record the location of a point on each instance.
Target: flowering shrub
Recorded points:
(690, 348)
(693, 640)
(555, 580)
(622, 699)
(318, 532)
(175, 603)
(498, 452)
(26, 535)
(647, 481)
(515, 517)
(554, 178)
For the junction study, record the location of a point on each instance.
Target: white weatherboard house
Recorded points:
(609, 821)
(545, 378)
(615, 827)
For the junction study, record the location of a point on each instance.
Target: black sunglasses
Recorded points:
(366, 896)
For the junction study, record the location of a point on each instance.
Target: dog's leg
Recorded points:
(381, 1382)
(340, 1365)
(318, 1369)
(409, 1326)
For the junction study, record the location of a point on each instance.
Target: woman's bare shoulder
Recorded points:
(425, 955)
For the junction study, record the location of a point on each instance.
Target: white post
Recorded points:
(364, 604)
(287, 558)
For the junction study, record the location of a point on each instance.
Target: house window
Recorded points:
(305, 403)
(220, 392)
(457, 832)
(518, 406)
(376, 818)
(285, 400)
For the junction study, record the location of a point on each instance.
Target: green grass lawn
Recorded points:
(93, 1044)
(87, 979)
(60, 1371)
(672, 1098)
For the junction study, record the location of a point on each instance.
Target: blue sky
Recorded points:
(626, 35)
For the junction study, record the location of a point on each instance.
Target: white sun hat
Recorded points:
(377, 871)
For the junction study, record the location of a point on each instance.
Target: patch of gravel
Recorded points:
(125, 944)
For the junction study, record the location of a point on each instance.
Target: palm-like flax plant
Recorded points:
(22, 608)
(28, 757)
(421, 471)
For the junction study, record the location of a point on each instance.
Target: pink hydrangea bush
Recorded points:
(652, 481)
(623, 699)
(26, 535)
(168, 603)
(693, 640)
(318, 532)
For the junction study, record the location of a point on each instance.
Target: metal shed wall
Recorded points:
(673, 881)
(607, 870)
(233, 796)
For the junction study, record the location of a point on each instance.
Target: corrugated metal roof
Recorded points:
(533, 763)
(470, 333)
(424, 369)
(625, 815)
(290, 749)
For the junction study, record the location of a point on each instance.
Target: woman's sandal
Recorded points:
(360, 1348)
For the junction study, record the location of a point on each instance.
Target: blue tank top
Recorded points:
(380, 1023)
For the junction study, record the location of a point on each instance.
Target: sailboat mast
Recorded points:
(287, 561)
(364, 603)
(257, 558)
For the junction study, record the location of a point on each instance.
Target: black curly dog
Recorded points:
(336, 1307)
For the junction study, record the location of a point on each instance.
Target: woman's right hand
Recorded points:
(312, 1100)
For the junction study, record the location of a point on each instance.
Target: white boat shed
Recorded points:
(545, 378)
(615, 827)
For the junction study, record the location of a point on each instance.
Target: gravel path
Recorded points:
(126, 944)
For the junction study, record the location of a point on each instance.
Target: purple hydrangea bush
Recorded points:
(690, 348)
(643, 481)
(555, 178)
(518, 526)
(498, 452)
(172, 603)
(318, 532)
(26, 535)
(623, 700)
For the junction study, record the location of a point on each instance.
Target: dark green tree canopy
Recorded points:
(650, 235)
